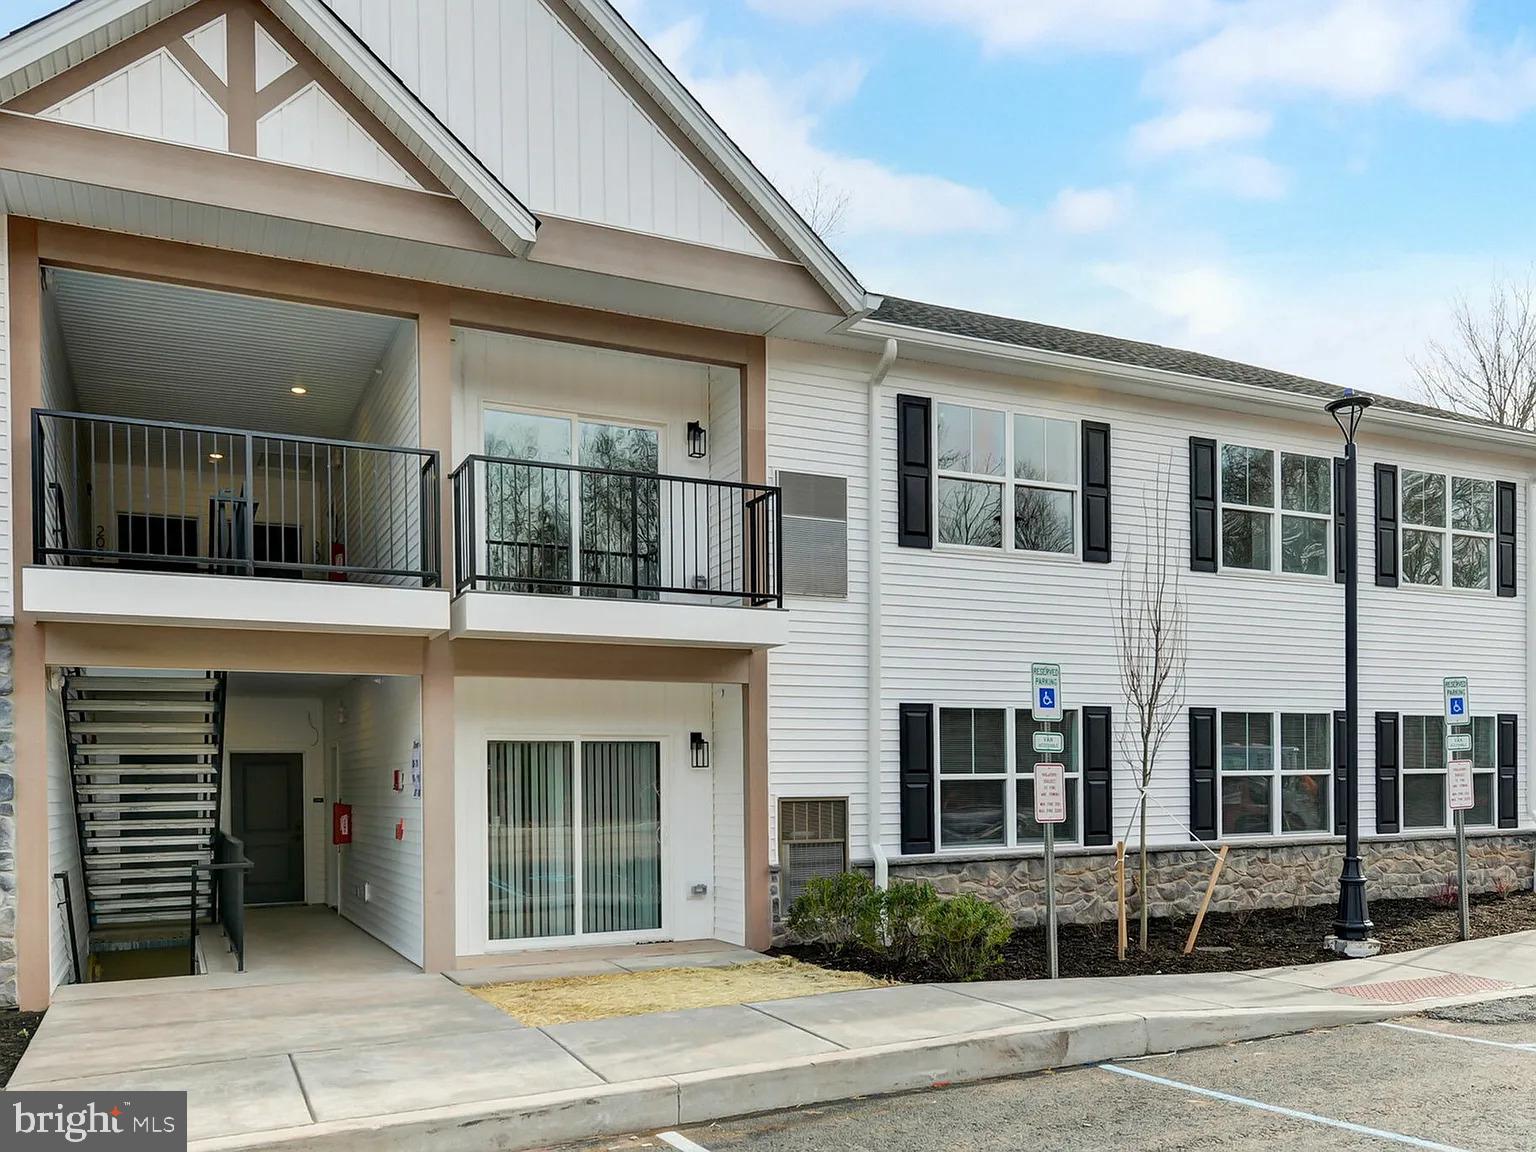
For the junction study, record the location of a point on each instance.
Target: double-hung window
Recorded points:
(1424, 785)
(1007, 480)
(1447, 542)
(1270, 788)
(1268, 526)
(986, 763)
(1426, 803)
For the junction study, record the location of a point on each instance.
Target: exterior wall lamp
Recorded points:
(697, 442)
(700, 749)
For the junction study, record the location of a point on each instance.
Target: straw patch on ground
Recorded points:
(572, 998)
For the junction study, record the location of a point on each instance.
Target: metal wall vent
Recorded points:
(815, 534)
(813, 841)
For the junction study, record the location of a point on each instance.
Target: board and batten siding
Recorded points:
(545, 115)
(727, 770)
(7, 493)
(962, 626)
(63, 849)
(375, 726)
(818, 411)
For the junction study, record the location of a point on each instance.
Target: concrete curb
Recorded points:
(518, 1123)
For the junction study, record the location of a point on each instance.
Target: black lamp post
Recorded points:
(1352, 925)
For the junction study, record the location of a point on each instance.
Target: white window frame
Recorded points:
(1491, 724)
(1448, 533)
(1276, 513)
(1009, 778)
(1009, 482)
(1276, 774)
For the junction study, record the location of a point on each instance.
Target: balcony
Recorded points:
(563, 552)
(280, 531)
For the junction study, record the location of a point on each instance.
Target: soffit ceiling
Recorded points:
(166, 352)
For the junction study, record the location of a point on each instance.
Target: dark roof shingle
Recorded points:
(1046, 338)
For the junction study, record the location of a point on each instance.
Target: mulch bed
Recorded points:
(16, 1032)
(1229, 942)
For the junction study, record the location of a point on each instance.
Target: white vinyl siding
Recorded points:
(376, 725)
(960, 628)
(390, 414)
(313, 131)
(545, 116)
(154, 97)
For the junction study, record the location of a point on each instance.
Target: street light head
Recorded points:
(1347, 411)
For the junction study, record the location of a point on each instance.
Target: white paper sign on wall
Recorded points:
(1050, 794)
(416, 768)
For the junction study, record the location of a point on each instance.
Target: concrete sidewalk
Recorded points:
(414, 1061)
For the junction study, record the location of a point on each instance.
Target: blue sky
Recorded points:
(1305, 184)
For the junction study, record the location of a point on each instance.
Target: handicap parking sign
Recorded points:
(1458, 705)
(1047, 686)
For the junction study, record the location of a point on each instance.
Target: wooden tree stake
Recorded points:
(1210, 890)
(1120, 885)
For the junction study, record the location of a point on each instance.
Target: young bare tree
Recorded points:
(1488, 367)
(1151, 645)
(823, 204)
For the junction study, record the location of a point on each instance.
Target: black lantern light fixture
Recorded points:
(1352, 926)
(700, 749)
(697, 440)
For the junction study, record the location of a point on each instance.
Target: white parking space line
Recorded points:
(680, 1142)
(1292, 1113)
(1464, 1039)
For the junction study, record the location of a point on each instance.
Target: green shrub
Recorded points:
(966, 936)
(836, 911)
(904, 923)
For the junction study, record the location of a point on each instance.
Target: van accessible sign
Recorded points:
(104, 1121)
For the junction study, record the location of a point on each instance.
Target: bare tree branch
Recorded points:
(1488, 367)
(1151, 647)
(823, 204)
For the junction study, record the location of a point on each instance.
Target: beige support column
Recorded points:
(29, 701)
(439, 844)
(758, 902)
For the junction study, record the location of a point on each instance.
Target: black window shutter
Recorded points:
(1340, 541)
(1387, 773)
(916, 778)
(1098, 816)
(1202, 773)
(1386, 525)
(1340, 768)
(1096, 528)
(1504, 526)
(1202, 504)
(1505, 803)
(914, 472)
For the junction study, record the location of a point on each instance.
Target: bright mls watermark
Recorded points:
(137, 1122)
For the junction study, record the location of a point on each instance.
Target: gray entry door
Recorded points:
(267, 814)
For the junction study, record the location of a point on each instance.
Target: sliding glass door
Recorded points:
(574, 843)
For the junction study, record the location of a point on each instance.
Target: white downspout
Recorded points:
(872, 788)
(1530, 647)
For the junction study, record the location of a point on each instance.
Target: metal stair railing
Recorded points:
(227, 871)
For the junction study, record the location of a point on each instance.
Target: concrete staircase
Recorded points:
(145, 754)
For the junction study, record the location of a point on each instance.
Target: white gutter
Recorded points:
(1013, 356)
(872, 789)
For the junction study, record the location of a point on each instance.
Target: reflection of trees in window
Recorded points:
(620, 514)
(970, 513)
(1042, 520)
(528, 505)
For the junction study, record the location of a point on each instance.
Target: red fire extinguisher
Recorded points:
(338, 560)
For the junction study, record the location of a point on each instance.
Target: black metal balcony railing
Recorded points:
(109, 491)
(559, 529)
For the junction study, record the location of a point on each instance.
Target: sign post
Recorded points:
(1458, 765)
(1050, 790)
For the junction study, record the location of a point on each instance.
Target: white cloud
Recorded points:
(776, 120)
(1197, 127)
(1017, 25)
(1086, 210)
(1204, 299)
(1245, 176)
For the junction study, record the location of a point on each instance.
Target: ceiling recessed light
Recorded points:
(299, 390)
(215, 455)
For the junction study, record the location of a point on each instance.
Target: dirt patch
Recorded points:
(541, 1002)
(16, 1032)
(1229, 942)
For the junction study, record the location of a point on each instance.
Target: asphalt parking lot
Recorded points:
(1458, 1081)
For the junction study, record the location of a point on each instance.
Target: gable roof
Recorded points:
(1134, 353)
(647, 69)
(83, 28)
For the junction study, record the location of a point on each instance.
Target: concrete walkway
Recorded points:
(410, 1061)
